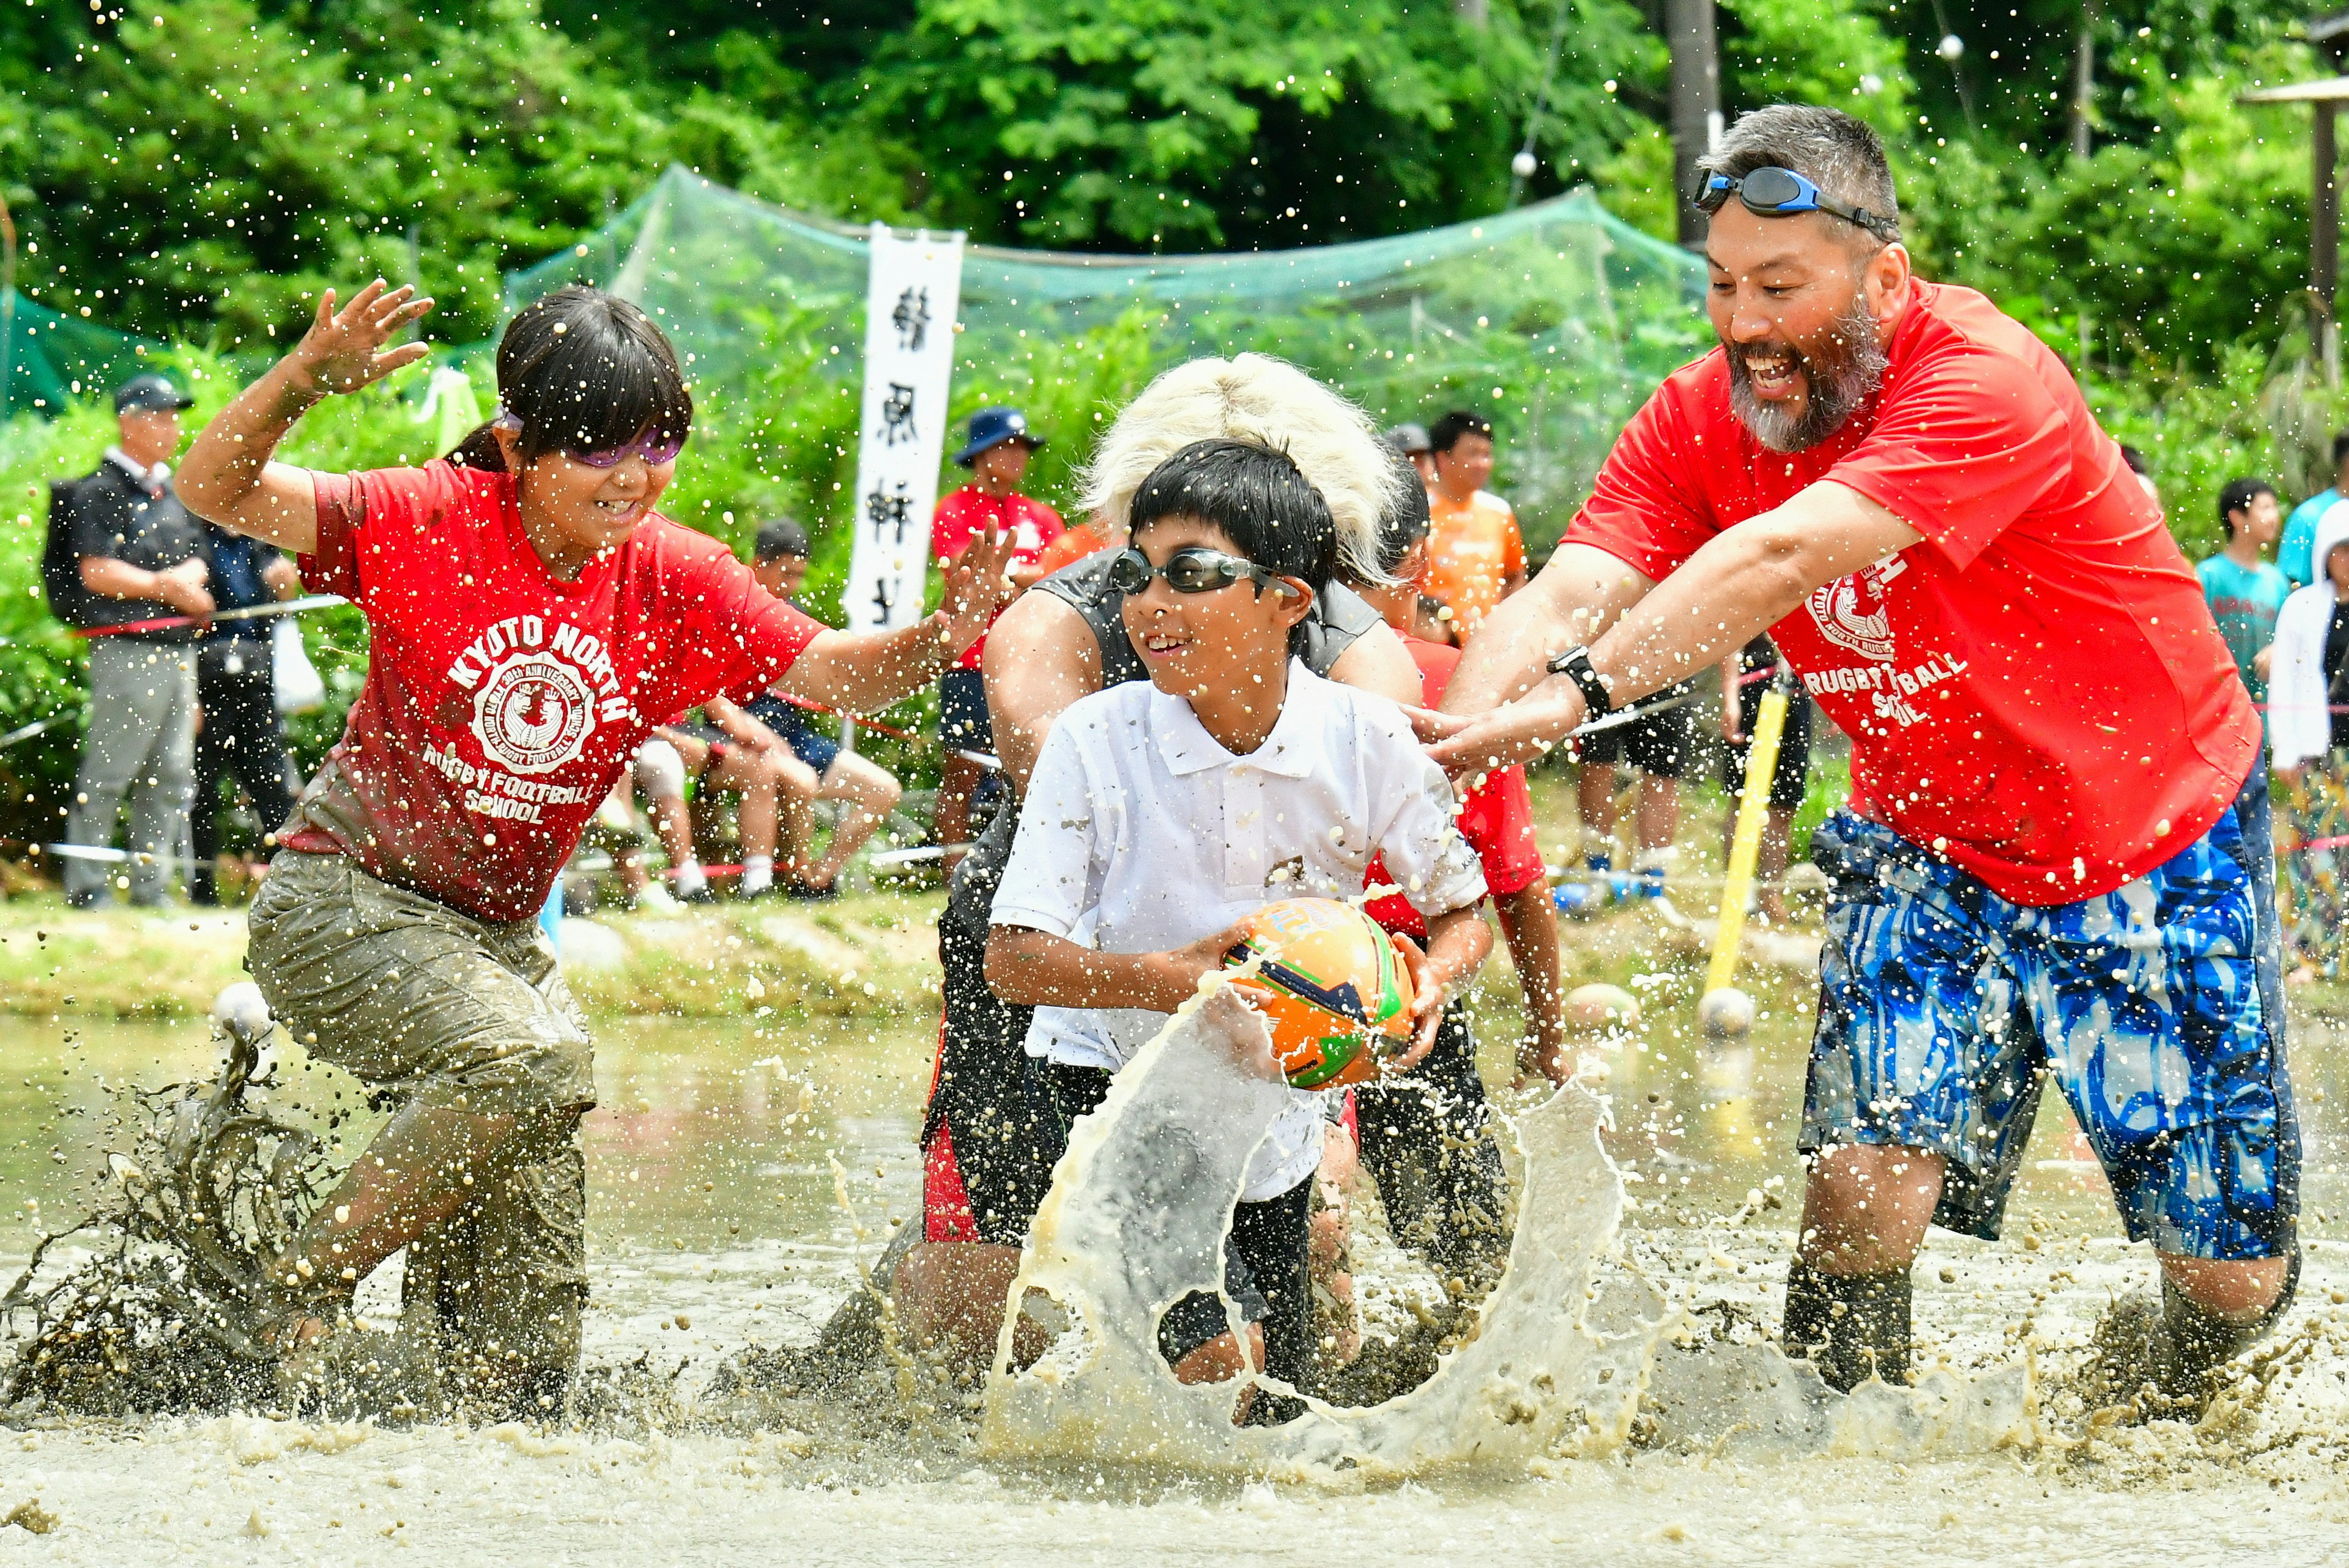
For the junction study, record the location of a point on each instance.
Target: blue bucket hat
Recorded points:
(992, 428)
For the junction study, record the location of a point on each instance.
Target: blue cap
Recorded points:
(992, 428)
(151, 394)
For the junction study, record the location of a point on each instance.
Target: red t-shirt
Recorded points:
(501, 703)
(2036, 689)
(1496, 818)
(970, 511)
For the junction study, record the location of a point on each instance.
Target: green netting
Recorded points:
(1556, 320)
(46, 358)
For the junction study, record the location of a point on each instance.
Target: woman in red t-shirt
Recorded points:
(532, 619)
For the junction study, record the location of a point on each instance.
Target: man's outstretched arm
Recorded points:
(1578, 596)
(1743, 581)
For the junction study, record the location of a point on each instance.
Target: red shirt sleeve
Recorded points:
(1966, 440)
(331, 565)
(372, 512)
(733, 638)
(1647, 508)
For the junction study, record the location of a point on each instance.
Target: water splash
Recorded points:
(1572, 1355)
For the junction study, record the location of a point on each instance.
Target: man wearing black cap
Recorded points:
(997, 456)
(139, 556)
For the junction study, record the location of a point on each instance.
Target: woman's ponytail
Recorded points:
(481, 450)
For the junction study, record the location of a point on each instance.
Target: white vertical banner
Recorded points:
(910, 305)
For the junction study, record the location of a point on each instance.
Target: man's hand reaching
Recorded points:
(1515, 732)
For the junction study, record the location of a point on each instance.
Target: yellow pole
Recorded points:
(1753, 814)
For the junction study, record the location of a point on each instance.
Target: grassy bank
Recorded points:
(871, 956)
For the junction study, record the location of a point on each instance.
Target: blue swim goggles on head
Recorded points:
(1772, 192)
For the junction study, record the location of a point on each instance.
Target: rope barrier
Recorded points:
(252, 612)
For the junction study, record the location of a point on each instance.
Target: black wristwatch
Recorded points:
(1575, 665)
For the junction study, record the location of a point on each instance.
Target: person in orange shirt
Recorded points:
(1087, 538)
(1475, 558)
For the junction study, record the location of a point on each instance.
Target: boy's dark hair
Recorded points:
(583, 371)
(1256, 496)
(1407, 523)
(2341, 449)
(1446, 433)
(2133, 458)
(2238, 496)
(778, 538)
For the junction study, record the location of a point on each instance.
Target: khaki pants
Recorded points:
(142, 743)
(419, 999)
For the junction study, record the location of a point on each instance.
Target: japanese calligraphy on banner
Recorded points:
(910, 304)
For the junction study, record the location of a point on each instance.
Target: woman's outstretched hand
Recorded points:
(343, 351)
(978, 585)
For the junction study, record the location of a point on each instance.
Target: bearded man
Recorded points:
(2055, 860)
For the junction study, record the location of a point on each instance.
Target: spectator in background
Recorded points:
(996, 455)
(1476, 558)
(2244, 592)
(726, 750)
(1745, 679)
(2308, 739)
(1413, 442)
(240, 735)
(2295, 554)
(817, 767)
(142, 554)
(1658, 745)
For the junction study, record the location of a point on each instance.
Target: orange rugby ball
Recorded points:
(1331, 984)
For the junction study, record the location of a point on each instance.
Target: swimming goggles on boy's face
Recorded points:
(1194, 569)
(1772, 192)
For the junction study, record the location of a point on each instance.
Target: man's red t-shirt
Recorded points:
(2036, 689)
(1496, 818)
(500, 702)
(970, 511)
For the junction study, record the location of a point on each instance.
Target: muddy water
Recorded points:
(715, 1225)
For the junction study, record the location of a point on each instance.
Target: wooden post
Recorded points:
(1695, 105)
(2324, 238)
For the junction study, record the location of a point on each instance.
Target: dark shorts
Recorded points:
(1943, 1008)
(982, 1180)
(1264, 1272)
(791, 726)
(1426, 1139)
(1791, 779)
(962, 711)
(1658, 744)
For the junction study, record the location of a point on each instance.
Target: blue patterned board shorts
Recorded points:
(1943, 1008)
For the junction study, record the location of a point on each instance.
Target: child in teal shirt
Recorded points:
(2244, 591)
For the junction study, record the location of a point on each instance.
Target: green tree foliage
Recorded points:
(1159, 125)
(214, 159)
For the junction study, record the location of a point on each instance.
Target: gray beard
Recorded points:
(1842, 373)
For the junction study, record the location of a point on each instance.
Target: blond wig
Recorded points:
(1258, 398)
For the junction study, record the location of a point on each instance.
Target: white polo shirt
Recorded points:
(1140, 832)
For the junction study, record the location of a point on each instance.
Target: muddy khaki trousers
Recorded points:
(141, 742)
(417, 999)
